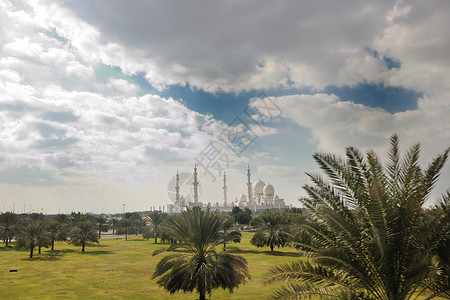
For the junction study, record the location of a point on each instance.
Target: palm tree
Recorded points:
(229, 231)
(56, 232)
(157, 219)
(102, 226)
(8, 222)
(113, 223)
(124, 227)
(31, 236)
(272, 231)
(367, 234)
(197, 265)
(83, 233)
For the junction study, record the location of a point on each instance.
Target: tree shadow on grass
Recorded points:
(98, 252)
(43, 257)
(236, 250)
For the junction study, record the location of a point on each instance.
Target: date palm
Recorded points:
(196, 264)
(367, 235)
(102, 225)
(272, 231)
(83, 233)
(154, 231)
(31, 236)
(8, 223)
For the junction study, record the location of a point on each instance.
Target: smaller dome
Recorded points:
(268, 190)
(258, 187)
(276, 197)
(243, 198)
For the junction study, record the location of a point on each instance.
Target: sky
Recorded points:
(103, 101)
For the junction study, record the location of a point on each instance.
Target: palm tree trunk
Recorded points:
(202, 292)
(82, 246)
(271, 247)
(39, 250)
(31, 252)
(156, 240)
(53, 244)
(99, 232)
(6, 240)
(126, 234)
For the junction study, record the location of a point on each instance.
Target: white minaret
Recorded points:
(177, 189)
(249, 184)
(224, 189)
(195, 183)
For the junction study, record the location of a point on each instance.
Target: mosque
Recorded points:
(259, 196)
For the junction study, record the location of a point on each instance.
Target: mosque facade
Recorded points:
(259, 196)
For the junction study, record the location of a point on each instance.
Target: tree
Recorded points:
(113, 223)
(229, 231)
(102, 226)
(242, 217)
(31, 236)
(125, 225)
(198, 265)
(83, 233)
(154, 231)
(272, 231)
(56, 232)
(368, 237)
(8, 222)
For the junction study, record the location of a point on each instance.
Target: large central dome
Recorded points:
(258, 187)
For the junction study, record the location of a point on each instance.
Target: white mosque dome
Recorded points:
(276, 197)
(243, 198)
(268, 190)
(258, 187)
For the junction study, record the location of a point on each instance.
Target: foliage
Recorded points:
(102, 225)
(56, 232)
(229, 231)
(272, 231)
(196, 264)
(242, 217)
(368, 235)
(154, 231)
(31, 236)
(83, 233)
(8, 224)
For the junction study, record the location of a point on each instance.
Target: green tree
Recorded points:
(198, 266)
(113, 222)
(8, 223)
(125, 227)
(272, 231)
(242, 217)
(229, 231)
(83, 233)
(154, 231)
(102, 225)
(31, 236)
(368, 235)
(56, 232)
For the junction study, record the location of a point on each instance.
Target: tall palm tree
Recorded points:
(31, 236)
(125, 227)
(197, 265)
(102, 225)
(56, 232)
(230, 233)
(272, 231)
(83, 233)
(154, 231)
(367, 235)
(8, 222)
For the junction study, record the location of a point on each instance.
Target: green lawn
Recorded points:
(118, 269)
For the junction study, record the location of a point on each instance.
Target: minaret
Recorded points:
(177, 189)
(249, 184)
(224, 189)
(195, 183)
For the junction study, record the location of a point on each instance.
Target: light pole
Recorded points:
(123, 208)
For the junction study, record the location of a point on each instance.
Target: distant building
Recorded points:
(260, 196)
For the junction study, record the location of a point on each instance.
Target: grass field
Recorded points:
(118, 269)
